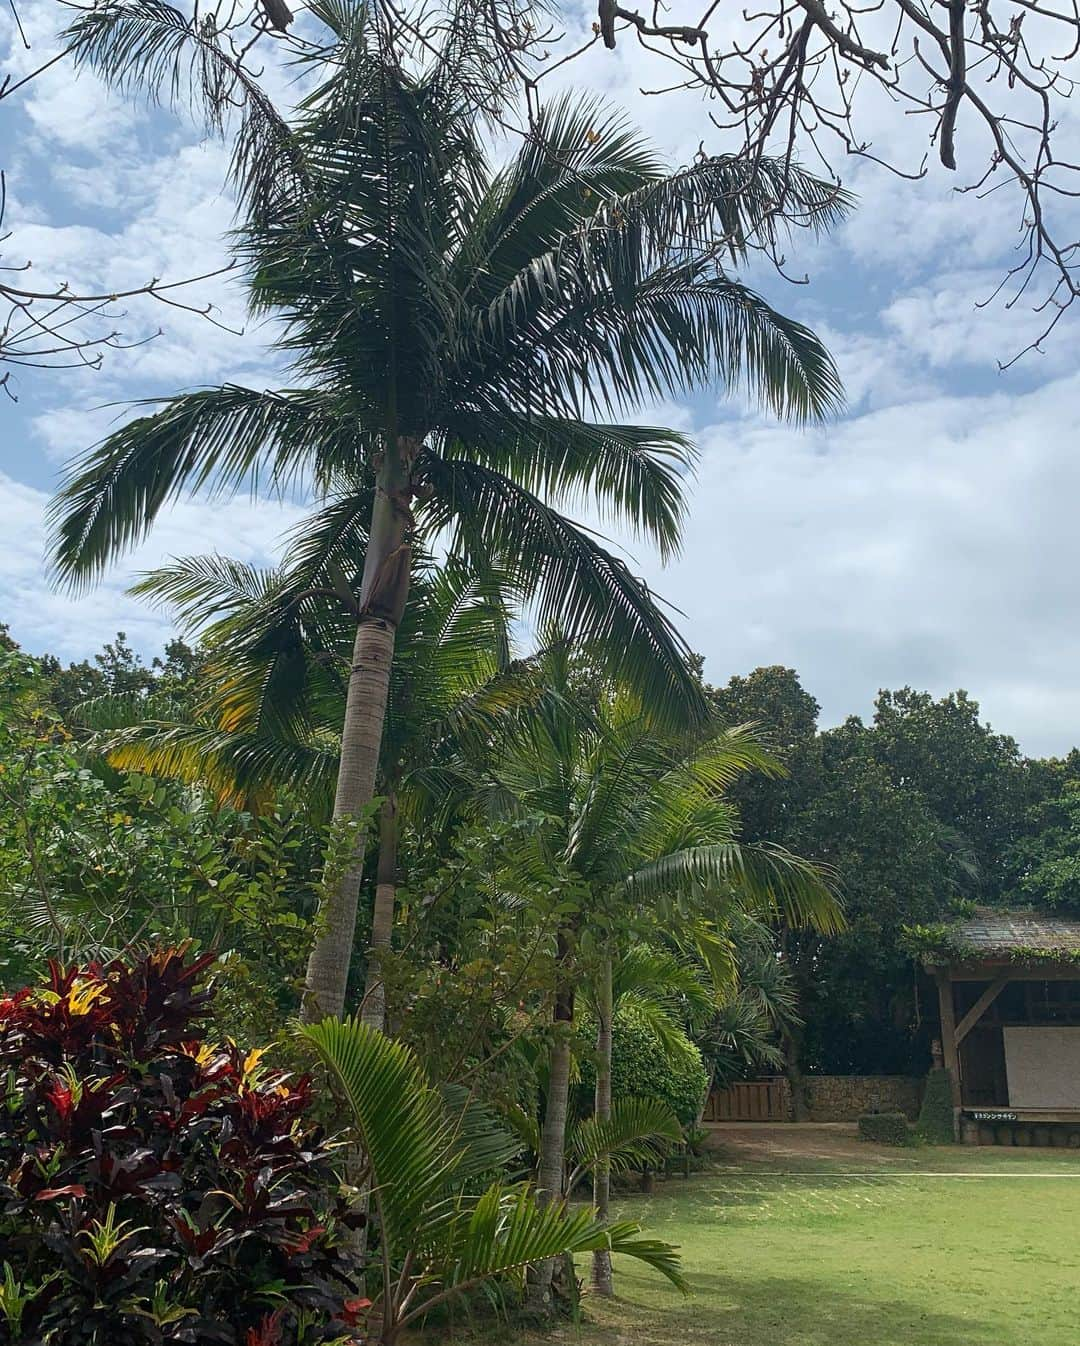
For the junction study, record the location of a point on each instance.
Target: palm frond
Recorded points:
(740, 1037)
(149, 45)
(580, 152)
(484, 1142)
(199, 589)
(565, 342)
(124, 710)
(507, 1230)
(334, 538)
(763, 878)
(659, 977)
(577, 585)
(219, 437)
(524, 1125)
(234, 765)
(399, 1120)
(639, 1131)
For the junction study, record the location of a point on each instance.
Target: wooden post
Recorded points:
(948, 1043)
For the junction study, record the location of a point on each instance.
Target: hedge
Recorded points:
(641, 1067)
(886, 1128)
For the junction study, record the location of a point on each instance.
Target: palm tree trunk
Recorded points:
(373, 1007)
(552, 1171)
(383, 593)
(791, 1037)
(791, 1046)
(602, 1282)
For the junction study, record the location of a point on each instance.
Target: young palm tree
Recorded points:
(670, 992)
(642, 821)
(462, 335)
(744, 1030)
(437, 1239)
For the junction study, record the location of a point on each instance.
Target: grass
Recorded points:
(872, 1248)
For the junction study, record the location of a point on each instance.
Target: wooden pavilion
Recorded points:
(1009, 993)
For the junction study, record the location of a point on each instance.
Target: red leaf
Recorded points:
(352, 1311)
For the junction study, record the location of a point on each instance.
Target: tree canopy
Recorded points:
(922, 811)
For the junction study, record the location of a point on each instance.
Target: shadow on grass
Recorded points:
(775, 1310)
(726, 1201)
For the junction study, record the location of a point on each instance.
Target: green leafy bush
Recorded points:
(885, 1128)
(935, 1123)
(94, 858)
(642, 1066)
(154, 1188)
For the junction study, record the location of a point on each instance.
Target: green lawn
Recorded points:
(882, 1250)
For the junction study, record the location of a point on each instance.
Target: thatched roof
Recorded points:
(992, 933)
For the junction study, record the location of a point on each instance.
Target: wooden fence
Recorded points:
(750, 1101)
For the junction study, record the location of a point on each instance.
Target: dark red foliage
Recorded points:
(155, 1188)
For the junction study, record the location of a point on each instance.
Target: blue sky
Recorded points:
(927, 537)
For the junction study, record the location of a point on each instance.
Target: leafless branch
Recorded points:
(793, 77)
(61, 326)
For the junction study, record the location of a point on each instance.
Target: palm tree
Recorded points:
(642, 821)
(670, 992)
(438, 1240)
(277, 646)
(456, 329)
(743, 1029)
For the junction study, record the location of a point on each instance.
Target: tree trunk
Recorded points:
(552, 1171)
(791, 1045)
(383, 593)
(791, 1037)
(602, 1282)
(373, 1007)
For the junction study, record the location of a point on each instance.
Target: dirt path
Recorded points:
(742, 1144)
(824, 1147)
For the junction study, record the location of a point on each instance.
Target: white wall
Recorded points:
(1043, 1065)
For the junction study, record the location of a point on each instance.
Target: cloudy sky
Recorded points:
(926, 537)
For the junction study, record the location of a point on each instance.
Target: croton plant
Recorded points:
(155, 1187)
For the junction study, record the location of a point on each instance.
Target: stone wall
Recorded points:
(844, 1098)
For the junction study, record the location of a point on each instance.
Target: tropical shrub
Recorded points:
(886, 1128)
(94, 859)
(643, 1065)
(155, 1188)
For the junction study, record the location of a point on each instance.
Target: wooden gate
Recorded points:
(749, 1101)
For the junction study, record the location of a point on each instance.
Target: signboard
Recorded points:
(992, 1115)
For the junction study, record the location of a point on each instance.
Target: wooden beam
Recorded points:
(948, 1043)
(976, 1012)
(1019, 972)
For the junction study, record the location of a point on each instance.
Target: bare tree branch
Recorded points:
(791, 77)
(62, 326)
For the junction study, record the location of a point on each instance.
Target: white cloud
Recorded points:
(929, 543)
(45, 619)
(957, 321)
(75, 115)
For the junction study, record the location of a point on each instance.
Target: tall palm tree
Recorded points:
(641, 819)
(277, 645)
(463, 334)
